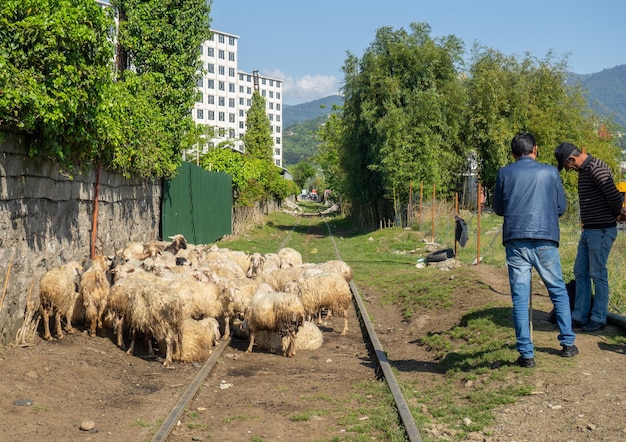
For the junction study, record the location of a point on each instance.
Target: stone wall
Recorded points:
(46, 220)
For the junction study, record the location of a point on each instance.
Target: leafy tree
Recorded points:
(158, 44)
(258, 137)
(54, 67)
(402, 116)
(301, 172)
(328, 153)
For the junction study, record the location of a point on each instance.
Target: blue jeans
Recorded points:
(521, 256)
(593, 252)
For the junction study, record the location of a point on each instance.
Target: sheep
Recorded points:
(224, 268)
(279, 278)
(308, 338)
(197, 341)
(271, 262)
(240, 292)
(323, 290)
(58, 294)
(256, 264)
(240, 258)
(145, 303)
(289, 257)
(336, 265)
(94, 290)
(275, 311)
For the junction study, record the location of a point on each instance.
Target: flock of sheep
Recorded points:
(186, 297)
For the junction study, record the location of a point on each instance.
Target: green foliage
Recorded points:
(54, 65)
(258, 137)
(253, 179)
(402, 116)
(302, 172)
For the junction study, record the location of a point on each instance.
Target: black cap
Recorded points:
(563, 152)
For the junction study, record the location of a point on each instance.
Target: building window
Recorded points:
(231, 118)
(277, 162)
(220, 85)
(231, 133)
(210, 52)
(278, 118)
(220, 38)
(248, 79)
(231, 102)
(241, 89)
(231, 87)
(277, 129)
(263, 81)
(210, 84)
(211, 115)
(277, 106)
(241, 113)
(221, 116)
(277, 140)
(241, 102)
(210, 67)
(249, 91)
(221, 70)
(220, 54)
(263, 93)
(278, 84)
(278, 95)
(240, 77)
(231, 56)
(199, 98)
(200, 82)
(271, 105)
(271, 94)
(231, 72)
(231, 41)
(271, 117)
(249, 102)
(200, 49)
(200, 114)
(221, 131)
(211, 99)
(241, 125)
(277, 152)
(221, 101)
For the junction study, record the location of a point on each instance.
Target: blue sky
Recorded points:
(304, 43)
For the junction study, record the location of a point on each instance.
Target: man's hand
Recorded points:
(622, 216)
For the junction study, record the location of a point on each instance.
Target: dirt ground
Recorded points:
(255, 397)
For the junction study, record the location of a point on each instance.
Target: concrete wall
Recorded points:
(46, 220)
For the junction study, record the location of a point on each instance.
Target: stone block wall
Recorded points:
(46, 220)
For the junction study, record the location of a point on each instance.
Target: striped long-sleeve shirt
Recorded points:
(600, 201)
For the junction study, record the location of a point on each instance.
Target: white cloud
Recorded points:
(306, 88)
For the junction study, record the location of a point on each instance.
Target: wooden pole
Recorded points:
(409, 214)
(433, 213)
(479, 199)
(419, 222)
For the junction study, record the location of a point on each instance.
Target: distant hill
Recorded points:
(293, 114)
(605, 93)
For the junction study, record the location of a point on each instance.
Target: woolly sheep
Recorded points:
(278, 312)
(308, 338)
(289, 257)
(94, 290)
(256, 261)
(240, 258)
(58, 294)
(197, 341)
(279, 278)
(324, 290)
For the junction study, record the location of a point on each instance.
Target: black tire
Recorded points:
(440, 255)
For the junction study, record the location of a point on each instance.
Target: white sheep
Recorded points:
(94, 290)
(59, 295)
(289, 257)
(256, 261)
(278, 312)
(308, 338)
(324, 290)
(278, 278)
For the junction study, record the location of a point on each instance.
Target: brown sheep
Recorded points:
(94, 289)
(58, 294)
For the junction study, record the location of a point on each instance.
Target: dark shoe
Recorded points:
(577, 324)
(593, 326)
(526, 362)
(569, 351)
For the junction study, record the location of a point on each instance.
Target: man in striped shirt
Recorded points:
(600, 206)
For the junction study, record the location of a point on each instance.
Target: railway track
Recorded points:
(376, 353)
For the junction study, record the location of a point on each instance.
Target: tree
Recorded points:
(301, 172)
(258, 140)
(403, 112)
(54, 67)
(158, 44)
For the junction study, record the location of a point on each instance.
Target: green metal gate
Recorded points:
(197, 204)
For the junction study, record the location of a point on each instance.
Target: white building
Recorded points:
(225, 95)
